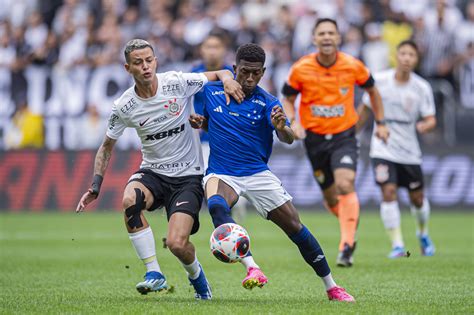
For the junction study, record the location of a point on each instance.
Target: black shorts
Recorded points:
(176, 194)
(329, 152)
(409, 176)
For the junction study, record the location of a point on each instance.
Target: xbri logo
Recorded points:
(164, 134)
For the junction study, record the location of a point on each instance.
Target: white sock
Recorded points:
(329, 282)
(144, 244)
(248, 262)
(390, 214)
(193, 269)
(422, 216)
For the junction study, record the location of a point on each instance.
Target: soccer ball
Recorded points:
(230, 242)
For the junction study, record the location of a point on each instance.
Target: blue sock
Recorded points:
(311, 251)
(219, 210)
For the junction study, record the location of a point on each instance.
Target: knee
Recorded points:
(417, 200)
(177, 245)
(389, 194)
(345, 186)
(136, 201)
(331, 200)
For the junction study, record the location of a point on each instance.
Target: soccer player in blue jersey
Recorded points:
(213, 50)
(241, 138)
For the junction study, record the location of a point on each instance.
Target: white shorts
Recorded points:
(264, 190)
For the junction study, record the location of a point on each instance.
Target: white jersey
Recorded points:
(169, 145)
(403, 105)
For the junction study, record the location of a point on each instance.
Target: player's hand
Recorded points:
(196, 120)
(278, 118)
(382, 132)
(233, 88)
(421, 127)
(299, 131)
(86, 199)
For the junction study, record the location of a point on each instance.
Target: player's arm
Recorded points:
(381, 130)
(427, 124)
(284, 133)
(288, 103)
(231, 87)
(102, 159)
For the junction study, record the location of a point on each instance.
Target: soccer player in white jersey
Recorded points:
(158, 106)
(409, 108)
(241, 139)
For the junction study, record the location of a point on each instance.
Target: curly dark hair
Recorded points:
(250, 52)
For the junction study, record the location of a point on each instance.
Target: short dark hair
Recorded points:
(409, 42)
(250, 52)
(323, 20)
(220, 35)
(136, 44)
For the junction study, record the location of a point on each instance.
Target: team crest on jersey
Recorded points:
(174, 108)
(343, 90)
(319, 175)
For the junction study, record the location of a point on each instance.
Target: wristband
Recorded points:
(380, 122)
(96, 183)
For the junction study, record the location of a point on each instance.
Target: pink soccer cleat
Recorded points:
(255, 278)
(339, 294)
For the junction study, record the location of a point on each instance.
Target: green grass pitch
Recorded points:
(68, 263)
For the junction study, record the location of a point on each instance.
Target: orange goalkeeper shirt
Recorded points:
(327, 94)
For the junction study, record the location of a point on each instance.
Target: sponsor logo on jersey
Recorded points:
(194, 83)
(218, 93)
(168, 166)
(327, 111)
(171, 88)
(346, 159)
(218, 109)
(165, 134)
(319, 175)
(112, 120)
(160, 119)
(234, 114)
(143, 122)
(343, 90)
(174, 108)
(129, 106)
(259, 102)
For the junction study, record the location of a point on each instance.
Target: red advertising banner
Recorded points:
(55, 180)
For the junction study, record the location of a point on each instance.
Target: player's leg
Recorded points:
(287, 218)
(220, 195)
(273, 202)
(344, 157)
(137, 197)
(183, 208)
(385, 173)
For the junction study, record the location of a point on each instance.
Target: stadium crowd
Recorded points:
(61, 60)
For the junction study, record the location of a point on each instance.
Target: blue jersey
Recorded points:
(197, 97)
(240, 135)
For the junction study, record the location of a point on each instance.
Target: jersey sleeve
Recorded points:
(427, 107)
(363, 78)
(293, 83)
(192, 82)
(115, 125)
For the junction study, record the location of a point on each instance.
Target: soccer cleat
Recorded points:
(427, 247)
(345, 257)
(201, 286)
(254, 278)
(397, 252)
(154, 282)
(339, 294)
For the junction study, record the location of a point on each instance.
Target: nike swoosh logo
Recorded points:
(141, 123)
(181, 203)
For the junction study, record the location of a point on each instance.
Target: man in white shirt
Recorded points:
(409, 108)
(158, 107)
